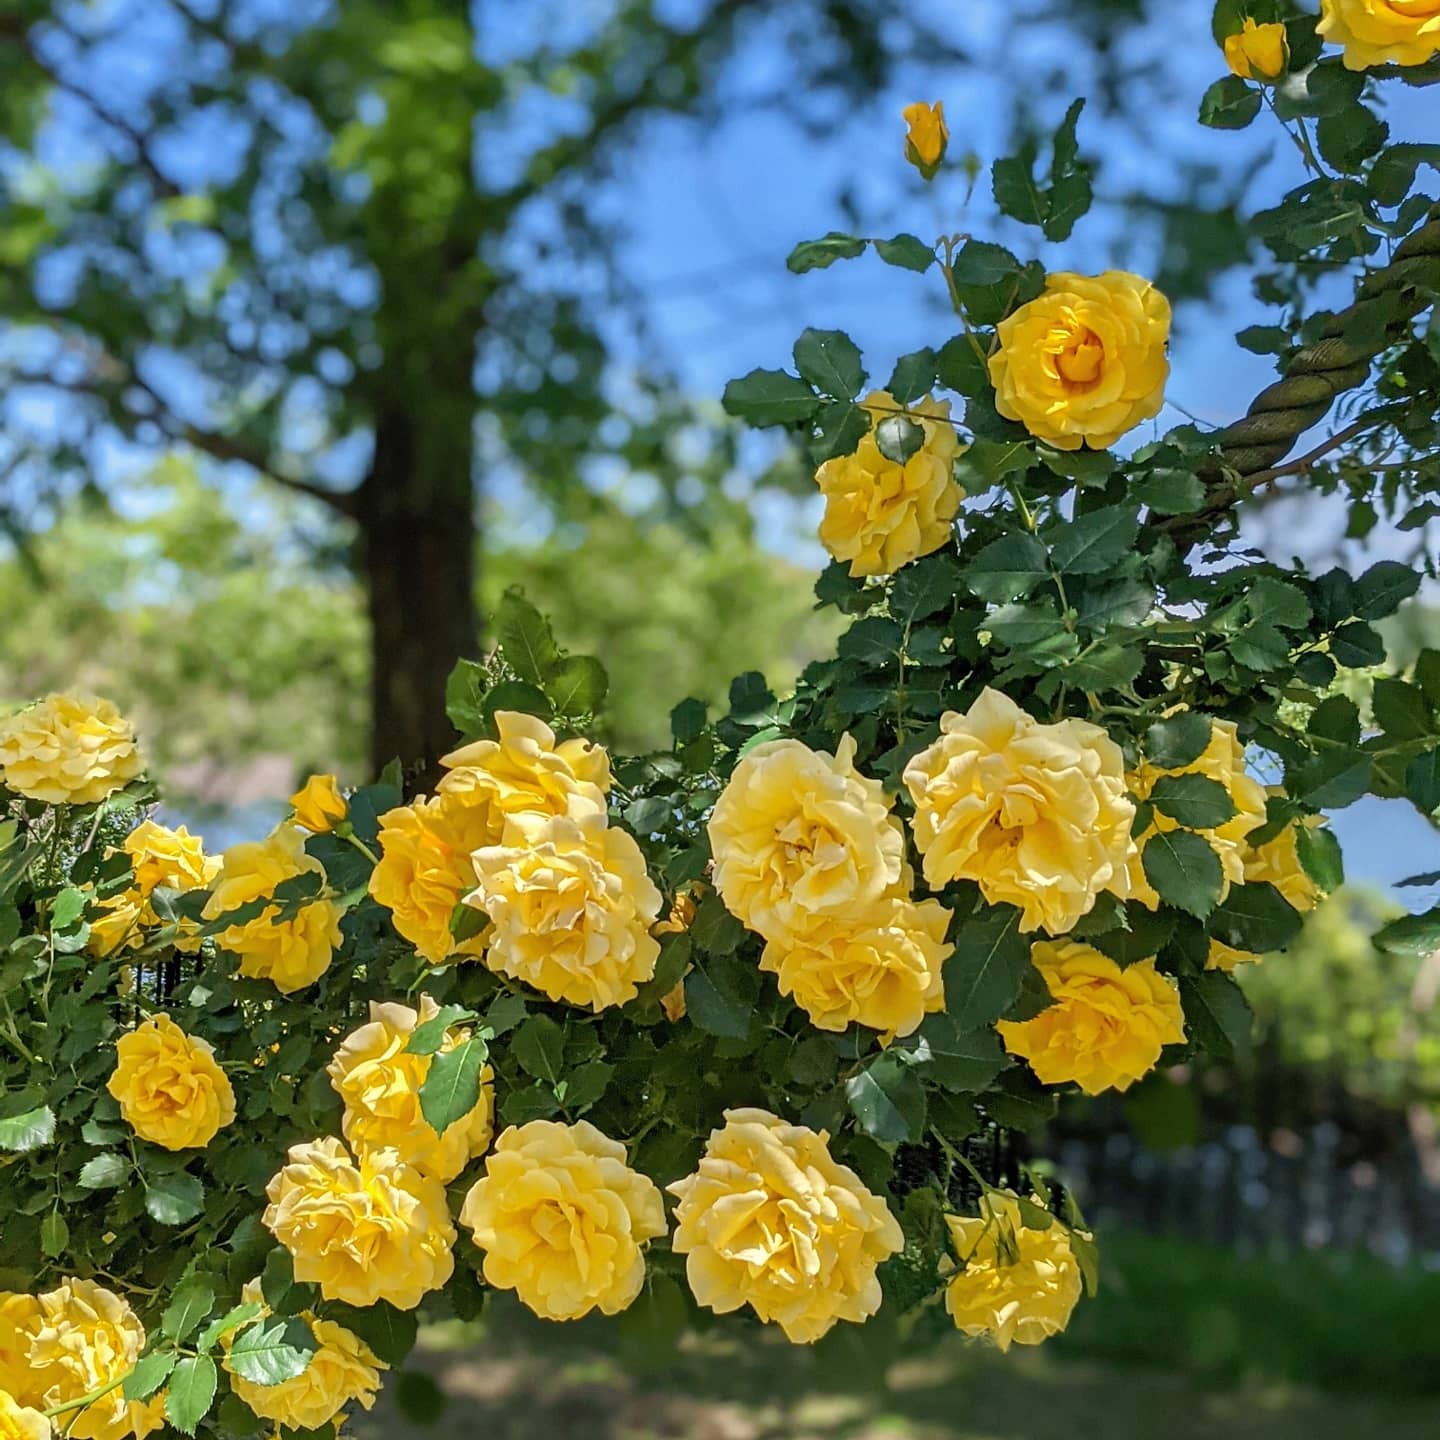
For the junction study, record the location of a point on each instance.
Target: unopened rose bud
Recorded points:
(1258, 52)
(927, 136)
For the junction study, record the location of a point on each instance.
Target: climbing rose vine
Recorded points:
(758, 1023)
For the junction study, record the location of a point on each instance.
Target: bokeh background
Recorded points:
(322, 322)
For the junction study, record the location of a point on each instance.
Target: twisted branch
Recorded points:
(1319, 373)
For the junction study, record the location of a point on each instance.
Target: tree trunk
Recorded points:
(418, 539)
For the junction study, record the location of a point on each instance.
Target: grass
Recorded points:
(1186, 1342)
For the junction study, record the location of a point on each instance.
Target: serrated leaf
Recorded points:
(577, 685)
(1230, 104)
(429, 1035)
(452, 1086)
(1177, 741)
(984, 975)
(888, 1100)
(1193, 800)
(907, 251)
(104, 1172)
(1217, 1016)
(1255, 918)
(961, 1060)
(192, 1301)
(1183, 870)
(1382, 589)
(232, 1319)
(830, 361)
(1008, 568)
(190, 1392)
(389, 1332)
(823, 253)
(525, 638)
(769, 397)
(1170, 492)
(270, 1354)
(538, 1047)
(148, 1375)
(1422, 782)
(28, 1131)
(961, 365)
(1091, 544)
(174, 1198)
(898, 437)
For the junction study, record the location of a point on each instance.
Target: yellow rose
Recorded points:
(570, 906)
(882, 971)
(771, 1221)
(926, 135)
(1017, 1286)
(160, 858)
(1225, 957)
(341, 1369)
(1382, 32)
(380, 1081)
(526, 770)
(293, 952)
(318, 805)
(1085, 361)
(1258, 52)
(76, 1339)
(1222, 760)
(425, 871)
(19, 1317)
(799, 835)
(364, 1230)
(1035, 814)
(20, 1422)
(1105, 1026)
(170, 1089)
(880, 515)
(563, 1219)
(68, 750)
(1277, 862)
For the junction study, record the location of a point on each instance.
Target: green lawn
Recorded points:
(518, 1383)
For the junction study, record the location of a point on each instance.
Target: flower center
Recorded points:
(1079, 356)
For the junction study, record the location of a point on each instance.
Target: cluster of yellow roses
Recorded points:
(1373, 32)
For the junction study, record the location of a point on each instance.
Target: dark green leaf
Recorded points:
(1422, 782)
(888, 1100)
(429, 1035)
(452, 1086)
(687, 721)
(1230, 104)
(1177, 741)
(192, 1301)
(174, 1198)
(149, 1375)
(1170, 492)
(821, 254)
(1401, 710)
(539, 1048)
(1256, 918)
(1382, 589)
(1417, 935)
(961, 366)
(770, 397)
(961, 1060)
(104, 1172)
(830, 361)
(840, 427)
(984, 974)
(1008, 568)
(28, 1131)
(898, 437)
(1184, 870)
(1093, 543)
(389, 1332)
(577, 685)
(1193, 800)
(419, 1397)
(1217, 1016)
(525, 638)
(978, 262)
(907, 251)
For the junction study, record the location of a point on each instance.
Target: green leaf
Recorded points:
(888, 1100)
(283, 1293)
(830, 361)
(232, 1319)
(1144, 936)
(1401, 710)
(823, 253)
(104, 1172)
(961, 1060)
(190, 1392)
(419, 1397)
(192, 1301)
(28, 1131)
(1093, 543)
(984, 975)
(577, 685)
(962, 367)
(1383, 588)
(1320, 856)
(769, 397)
(840, 427)
(1422, 782)
(270, 1354)
(389, 1332)
(54, 1234)
(1183, 870)
(429, 1035)
(1256, 918)
(1192, 800)
(898, 437)
(913, 376)
(1357, 646)
(538, 1047)
(69, 907)
(149, 1375)
(174, 1198)
(1008, 568)
(1178, 741)
(452, 1086)
(1217, 1016)
(687, 721)
(1170, 492)
(525, 638)
(907, 251)
(1230, 104)
(715, 1010)
(925, 587)
(978, 262)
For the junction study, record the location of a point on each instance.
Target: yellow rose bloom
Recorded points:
(1018, 1286)
(1277, 862)
(1382, 32)
(799, 835)
(318, 805)
(294, 952)
(342, 1369)
(1222, 760)
(68, 750)
(926, 135)
(1106, 1025)
(19, 1316)
(880, 515)
(882, 971)
(171, 1091)
(1085, 361)
(160, 858)
(20, 1422)
(771, 1221)
(525, 769)
(379, 1081)
(1225, 957)
(1035, 814)
(425, 871)
(363, 1230)
(570, 905)
(1258, 52)
(75, 1339)
(563, 1219)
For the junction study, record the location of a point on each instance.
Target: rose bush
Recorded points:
(761, 1021)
